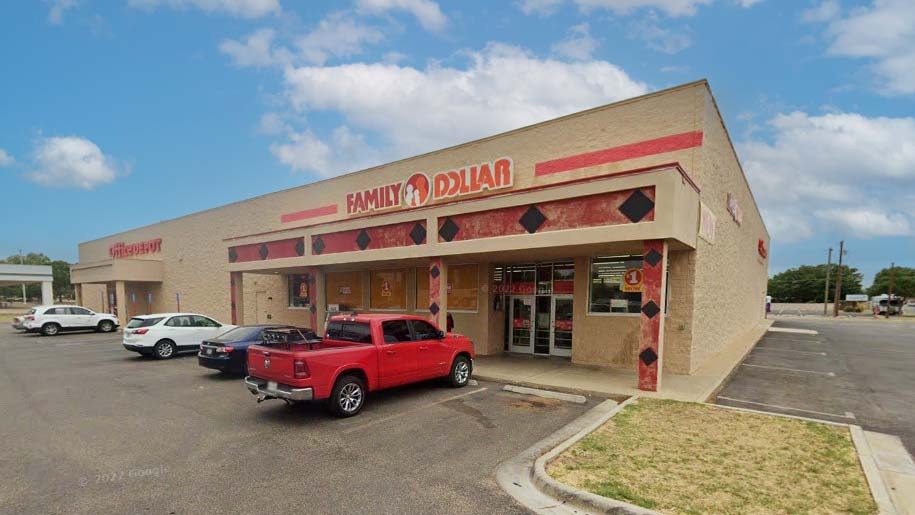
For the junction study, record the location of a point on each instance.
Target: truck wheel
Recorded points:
(106, 326)
(164, 349)
(348, 396)
(460, 372)
(50, 329)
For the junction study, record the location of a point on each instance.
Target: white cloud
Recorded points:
(428, 13)
(5, 158)
(58, 8)
(541, 7)
(345, 151)
(579, 46)
(71, 161)
(836, 170)
(256, 50)
(338, 35)
(239, 8)
(825, 11)
(418, 110)
(884, 32)
(624, 7)
(656, 37)
(273, 123)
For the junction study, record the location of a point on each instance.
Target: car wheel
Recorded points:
(165, 349)
(106, 326)
(348, 396)
(50, 329)
(460, 372)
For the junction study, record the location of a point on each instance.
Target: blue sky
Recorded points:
(121, 113)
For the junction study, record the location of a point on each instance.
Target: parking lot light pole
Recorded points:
(835, 298)
(826, 289)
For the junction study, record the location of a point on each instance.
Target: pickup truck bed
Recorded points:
(359, 354)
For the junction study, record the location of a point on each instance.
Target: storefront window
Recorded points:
(611, 292)
(299, 291)
(344, 289)
(389, 289)
(462, 287)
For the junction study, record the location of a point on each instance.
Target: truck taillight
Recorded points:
(30, 317)
(140, 331)
(300, 371)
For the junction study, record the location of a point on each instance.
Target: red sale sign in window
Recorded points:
(632, 281)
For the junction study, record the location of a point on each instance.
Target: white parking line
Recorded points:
(829, 374)
(792, 350)
(792, 330)
(847, 414)
(423, 407)
(791, 340)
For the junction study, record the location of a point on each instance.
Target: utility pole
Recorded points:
(826, 289)
(889, 300)
(835, 298)
(22, 262)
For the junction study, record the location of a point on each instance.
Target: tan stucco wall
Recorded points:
(731, 277)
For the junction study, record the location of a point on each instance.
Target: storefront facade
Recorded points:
(623, 236)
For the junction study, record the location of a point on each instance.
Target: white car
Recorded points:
(163, 335)
(51, 320)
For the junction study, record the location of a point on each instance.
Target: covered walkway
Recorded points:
(26, 274)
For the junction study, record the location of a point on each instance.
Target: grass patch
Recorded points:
(681, 457)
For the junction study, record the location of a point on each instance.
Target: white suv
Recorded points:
(51, 320)
(165, 334)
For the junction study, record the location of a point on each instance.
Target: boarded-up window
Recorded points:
(345, 289)
(389, 289)
(463, 287)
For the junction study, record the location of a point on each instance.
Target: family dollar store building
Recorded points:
(624, 236)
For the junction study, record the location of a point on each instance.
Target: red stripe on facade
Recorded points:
(379, 237)
(267, 250)
(621, 153)
(435, 292)
(330, 209)
(591, 211)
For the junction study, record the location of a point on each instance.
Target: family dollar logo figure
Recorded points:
(417, 190)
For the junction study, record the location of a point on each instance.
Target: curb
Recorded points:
(564, 389)
(574, 496)
(875, 481)
(546, 394)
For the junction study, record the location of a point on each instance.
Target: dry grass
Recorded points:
(678, 457)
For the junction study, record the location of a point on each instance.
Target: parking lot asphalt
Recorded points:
(88, 427)
(854, 371)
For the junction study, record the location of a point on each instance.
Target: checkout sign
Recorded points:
(632, 281)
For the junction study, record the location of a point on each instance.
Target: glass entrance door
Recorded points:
(561, 340)
(543, 325)
(522, 316)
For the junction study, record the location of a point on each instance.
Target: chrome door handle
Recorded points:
(390, 352)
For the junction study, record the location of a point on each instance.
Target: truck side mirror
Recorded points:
(440, 334)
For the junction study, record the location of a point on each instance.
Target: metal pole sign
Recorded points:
(178, 300)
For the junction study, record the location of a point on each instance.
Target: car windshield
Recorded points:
(240, 334)
(31, 312)
(142, 322)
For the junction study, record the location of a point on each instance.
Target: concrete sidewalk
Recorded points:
(561, 375)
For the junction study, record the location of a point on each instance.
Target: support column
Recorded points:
(120, 295)
(320, 301)
(237, 297)
(651, 345)
(78, 293)
(311, 273)
(47, 293)
(438, 295)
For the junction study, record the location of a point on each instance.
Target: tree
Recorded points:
(62, 286)
(903, 282)
(806, 283)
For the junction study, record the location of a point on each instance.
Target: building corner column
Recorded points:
(651, 343)
(237, 297)
(438, 294)
(78, 294)
(120, 296)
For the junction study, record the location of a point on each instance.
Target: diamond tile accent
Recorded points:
(318, 245)
(650, 309)
(418, 234)
(233, 305)
(263, 251)
(434, 309)
(648, 356)
(532, 219)
(636, 206)
(653, 257)
(434, 271)
(233, 256)
(313, 308)
(363, 239)
(448, 230)
(300, 247)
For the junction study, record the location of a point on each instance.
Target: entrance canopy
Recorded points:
(22, 274)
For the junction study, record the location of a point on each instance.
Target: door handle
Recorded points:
(390, 352)
(266, 354)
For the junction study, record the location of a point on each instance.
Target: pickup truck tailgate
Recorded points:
(272, 364)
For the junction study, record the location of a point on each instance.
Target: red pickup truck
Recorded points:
(358, 354)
